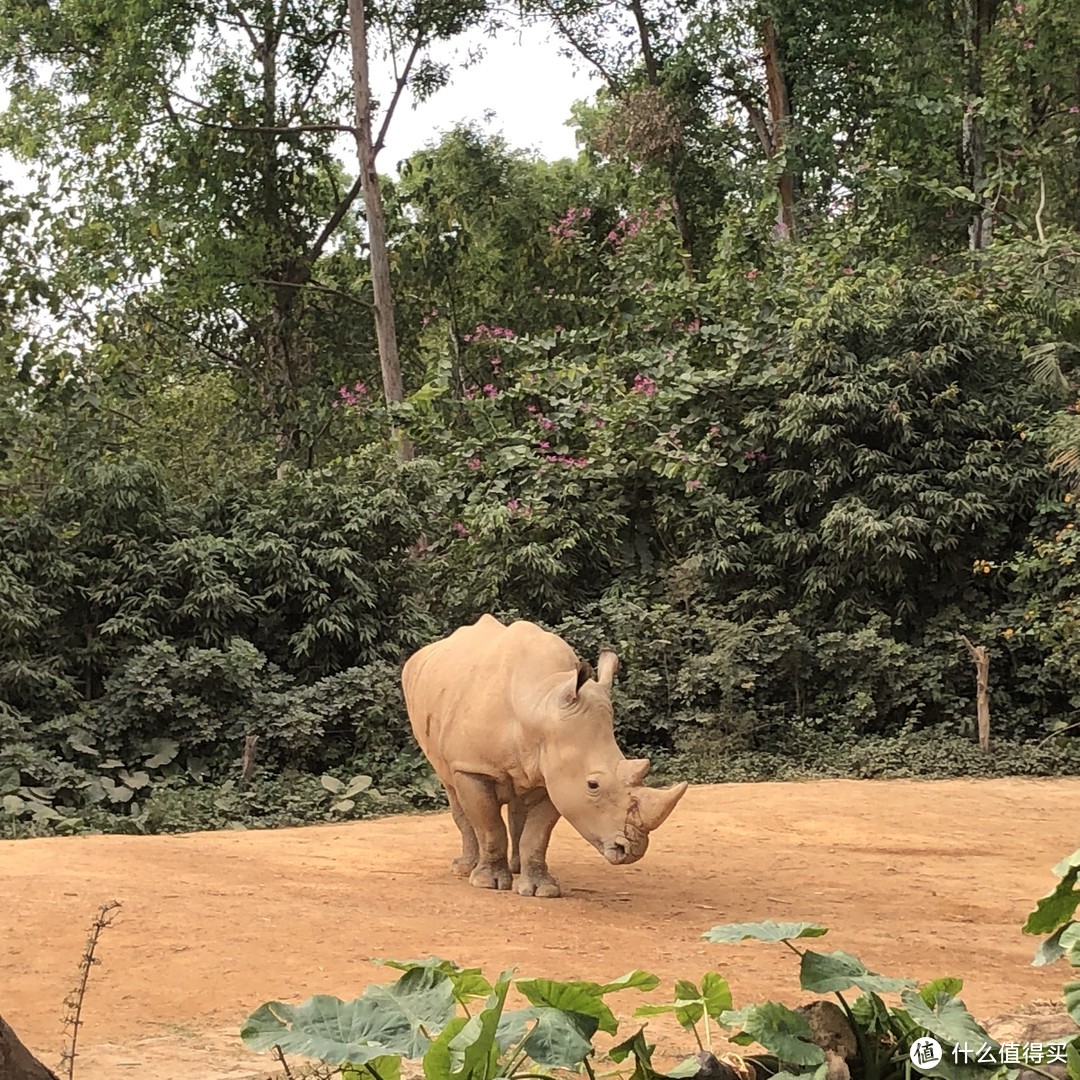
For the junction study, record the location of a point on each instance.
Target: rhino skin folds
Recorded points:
(509, 716)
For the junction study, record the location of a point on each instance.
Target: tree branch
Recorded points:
(613, 82)
(399, 87)
(651, 67)
(353, 193)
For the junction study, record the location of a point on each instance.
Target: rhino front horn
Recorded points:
(655, 804)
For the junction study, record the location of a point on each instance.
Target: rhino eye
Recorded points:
(594, 785)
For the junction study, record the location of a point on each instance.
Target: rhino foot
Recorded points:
(491, 877)
(462, 867)
(540, 885)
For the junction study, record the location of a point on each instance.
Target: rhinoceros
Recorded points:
(509, 716)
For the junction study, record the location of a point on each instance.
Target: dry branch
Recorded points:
(981, 659)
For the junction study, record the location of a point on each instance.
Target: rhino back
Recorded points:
(477, 697)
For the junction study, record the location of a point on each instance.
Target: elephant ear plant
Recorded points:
(426, 1015)
(1055, 916)
(456, 1023)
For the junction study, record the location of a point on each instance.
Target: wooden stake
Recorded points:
(981, 659)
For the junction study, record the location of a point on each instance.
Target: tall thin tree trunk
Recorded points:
(978, 19)
(780, 117)
(376, 220)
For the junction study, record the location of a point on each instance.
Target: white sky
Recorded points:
(522, 79)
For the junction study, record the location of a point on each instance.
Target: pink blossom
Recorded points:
(600, 423)
(751, 274)
(544, 444)
(490, 390)
(848, 270)
(693, 485)
(566, 228)
(483, 332)
(352, 397)
(546, 424)
(474, 463)
(1074, 108)
(1029, 44)
(460, 529)
(512, 504)
(643, 385)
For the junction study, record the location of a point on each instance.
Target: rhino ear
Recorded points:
(607, 666)
(573, 685)
(584, 673)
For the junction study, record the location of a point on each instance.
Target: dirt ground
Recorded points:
(918, 879)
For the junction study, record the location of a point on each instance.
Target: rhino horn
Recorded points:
(607, 666)
(632, 772)
(655, 804)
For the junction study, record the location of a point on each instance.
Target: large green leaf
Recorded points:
(397, 1019)
(576, 997)
(642, 1052)
(632, 980)
(1059, 906)
(945, 985)
(780, 1030)
(560, 1040)
(472, 1052)
(1071, 994)
(439, 1061)
(387, 1067)
(418, 1006)
(824, 973)
(871, 1013)
(715, 993)
(469, 983)
(947, 1019)
(1051, 950)
(325, 1028)
(730, 933)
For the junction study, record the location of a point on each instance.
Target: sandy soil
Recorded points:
(918, 879)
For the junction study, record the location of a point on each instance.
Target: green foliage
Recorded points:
(174, 632)
(430, 1014)
(417, 1017)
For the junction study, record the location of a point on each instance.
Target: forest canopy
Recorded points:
(772, 388)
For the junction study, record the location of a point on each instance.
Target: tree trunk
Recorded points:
(376, 221)
(671, 162)
(780, 116)
(16, 1062)
(978, 19)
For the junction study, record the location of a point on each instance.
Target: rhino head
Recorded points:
(589, 780)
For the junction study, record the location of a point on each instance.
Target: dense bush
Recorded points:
(145, 639)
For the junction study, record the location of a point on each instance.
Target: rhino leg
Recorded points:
(517, 812)
(535, 879)
(470, 848)
(481, 806)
